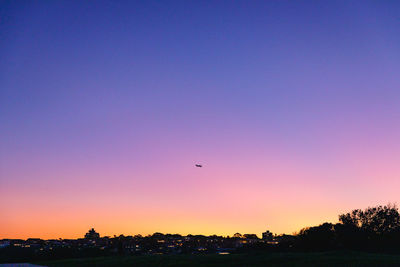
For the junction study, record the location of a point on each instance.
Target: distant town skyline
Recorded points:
(292, 108)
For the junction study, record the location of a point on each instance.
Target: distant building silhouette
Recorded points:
(92, 234)
(250, 236)
(267, 236)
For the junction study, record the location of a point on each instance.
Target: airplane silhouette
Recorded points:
(199, 165)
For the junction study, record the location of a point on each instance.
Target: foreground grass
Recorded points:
(256, 259)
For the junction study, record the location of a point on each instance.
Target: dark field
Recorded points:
(259, 259)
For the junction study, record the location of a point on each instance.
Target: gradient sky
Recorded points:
(293, 108)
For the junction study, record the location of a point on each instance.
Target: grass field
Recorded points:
(259, 259)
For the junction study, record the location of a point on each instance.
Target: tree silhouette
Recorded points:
(378, 220)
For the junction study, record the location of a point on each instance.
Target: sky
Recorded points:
(292, 107)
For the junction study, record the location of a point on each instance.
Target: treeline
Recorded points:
(375, 229)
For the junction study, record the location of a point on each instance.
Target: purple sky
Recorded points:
(296, 97)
